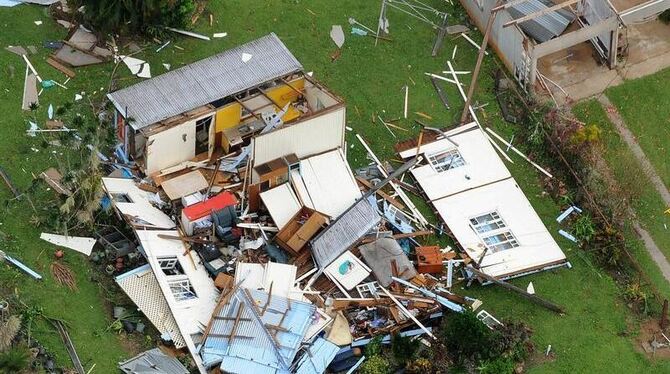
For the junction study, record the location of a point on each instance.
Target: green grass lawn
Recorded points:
(588, 339)
(644, 105)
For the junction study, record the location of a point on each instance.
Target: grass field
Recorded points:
(591, 337)
(644, 105)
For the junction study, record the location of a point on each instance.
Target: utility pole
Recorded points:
(480, 58)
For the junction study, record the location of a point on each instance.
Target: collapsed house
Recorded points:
(559, 44)
(478, 199)
(219, 104)
(262, 251)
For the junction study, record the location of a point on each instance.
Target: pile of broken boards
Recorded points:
(249, 280)
(80, 48)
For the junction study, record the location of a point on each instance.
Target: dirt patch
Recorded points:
(130, 344)
(650, 331)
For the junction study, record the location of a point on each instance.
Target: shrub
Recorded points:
(129, 17)
(403, 348)
(374, 348)
(467, 339)
(375, 365)
(419, 366)
(585, 229)
(500, 365)
(665, 17)
(15, 360)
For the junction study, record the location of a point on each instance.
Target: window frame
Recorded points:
(480, 227)
(455, 162)
(186, 286)
(486, 233)
(510, 241)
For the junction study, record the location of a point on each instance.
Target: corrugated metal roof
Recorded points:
(257, 346)
(545, 27)
(317, 358)
(344, 232)
(152, 362)
(205, 81)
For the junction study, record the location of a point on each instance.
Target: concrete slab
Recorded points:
(578, 72)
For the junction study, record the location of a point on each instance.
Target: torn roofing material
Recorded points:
(380, 255)
(134, 204)
(153, 361)
(317, 357)
(256, 333)
(344, 232)
(544, 27)
(204, 81)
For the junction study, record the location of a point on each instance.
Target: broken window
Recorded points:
(445, 160)
(501, 241)
(487, 222)
(182, 289)
(170, 265)
(121, 198)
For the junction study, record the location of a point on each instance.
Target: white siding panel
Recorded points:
(536, 245)
(170, 147)
(309, 137)
(482, 166)
(329, 182)
(281, 203)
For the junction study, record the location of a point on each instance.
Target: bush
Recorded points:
(665, 17)
(501, 365)
(130, 17)
(467, 339)
(585, 229)
(15, 360)
(374, 348)
(403, 348)
(419, 366)
(375, 365)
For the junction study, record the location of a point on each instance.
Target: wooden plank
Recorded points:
(186, 239)
(184, 185)
(222, 301)
(236, 323)
(540, 13)
(69, 346)
(573, 38)
(8, 182)
(381, 193)
(507, 5)
(532, 297)
(61, 67)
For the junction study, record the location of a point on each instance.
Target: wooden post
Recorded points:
(537, 300)
(664, 315)
(480, 58)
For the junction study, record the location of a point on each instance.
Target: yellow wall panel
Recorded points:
(228, 116)
(283, 94)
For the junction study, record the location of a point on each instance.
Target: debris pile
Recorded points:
(248, 240)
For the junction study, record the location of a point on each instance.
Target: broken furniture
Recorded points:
(429, 260)
(275, 172)
(197, 213)
(300, 229)
(115, 243)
